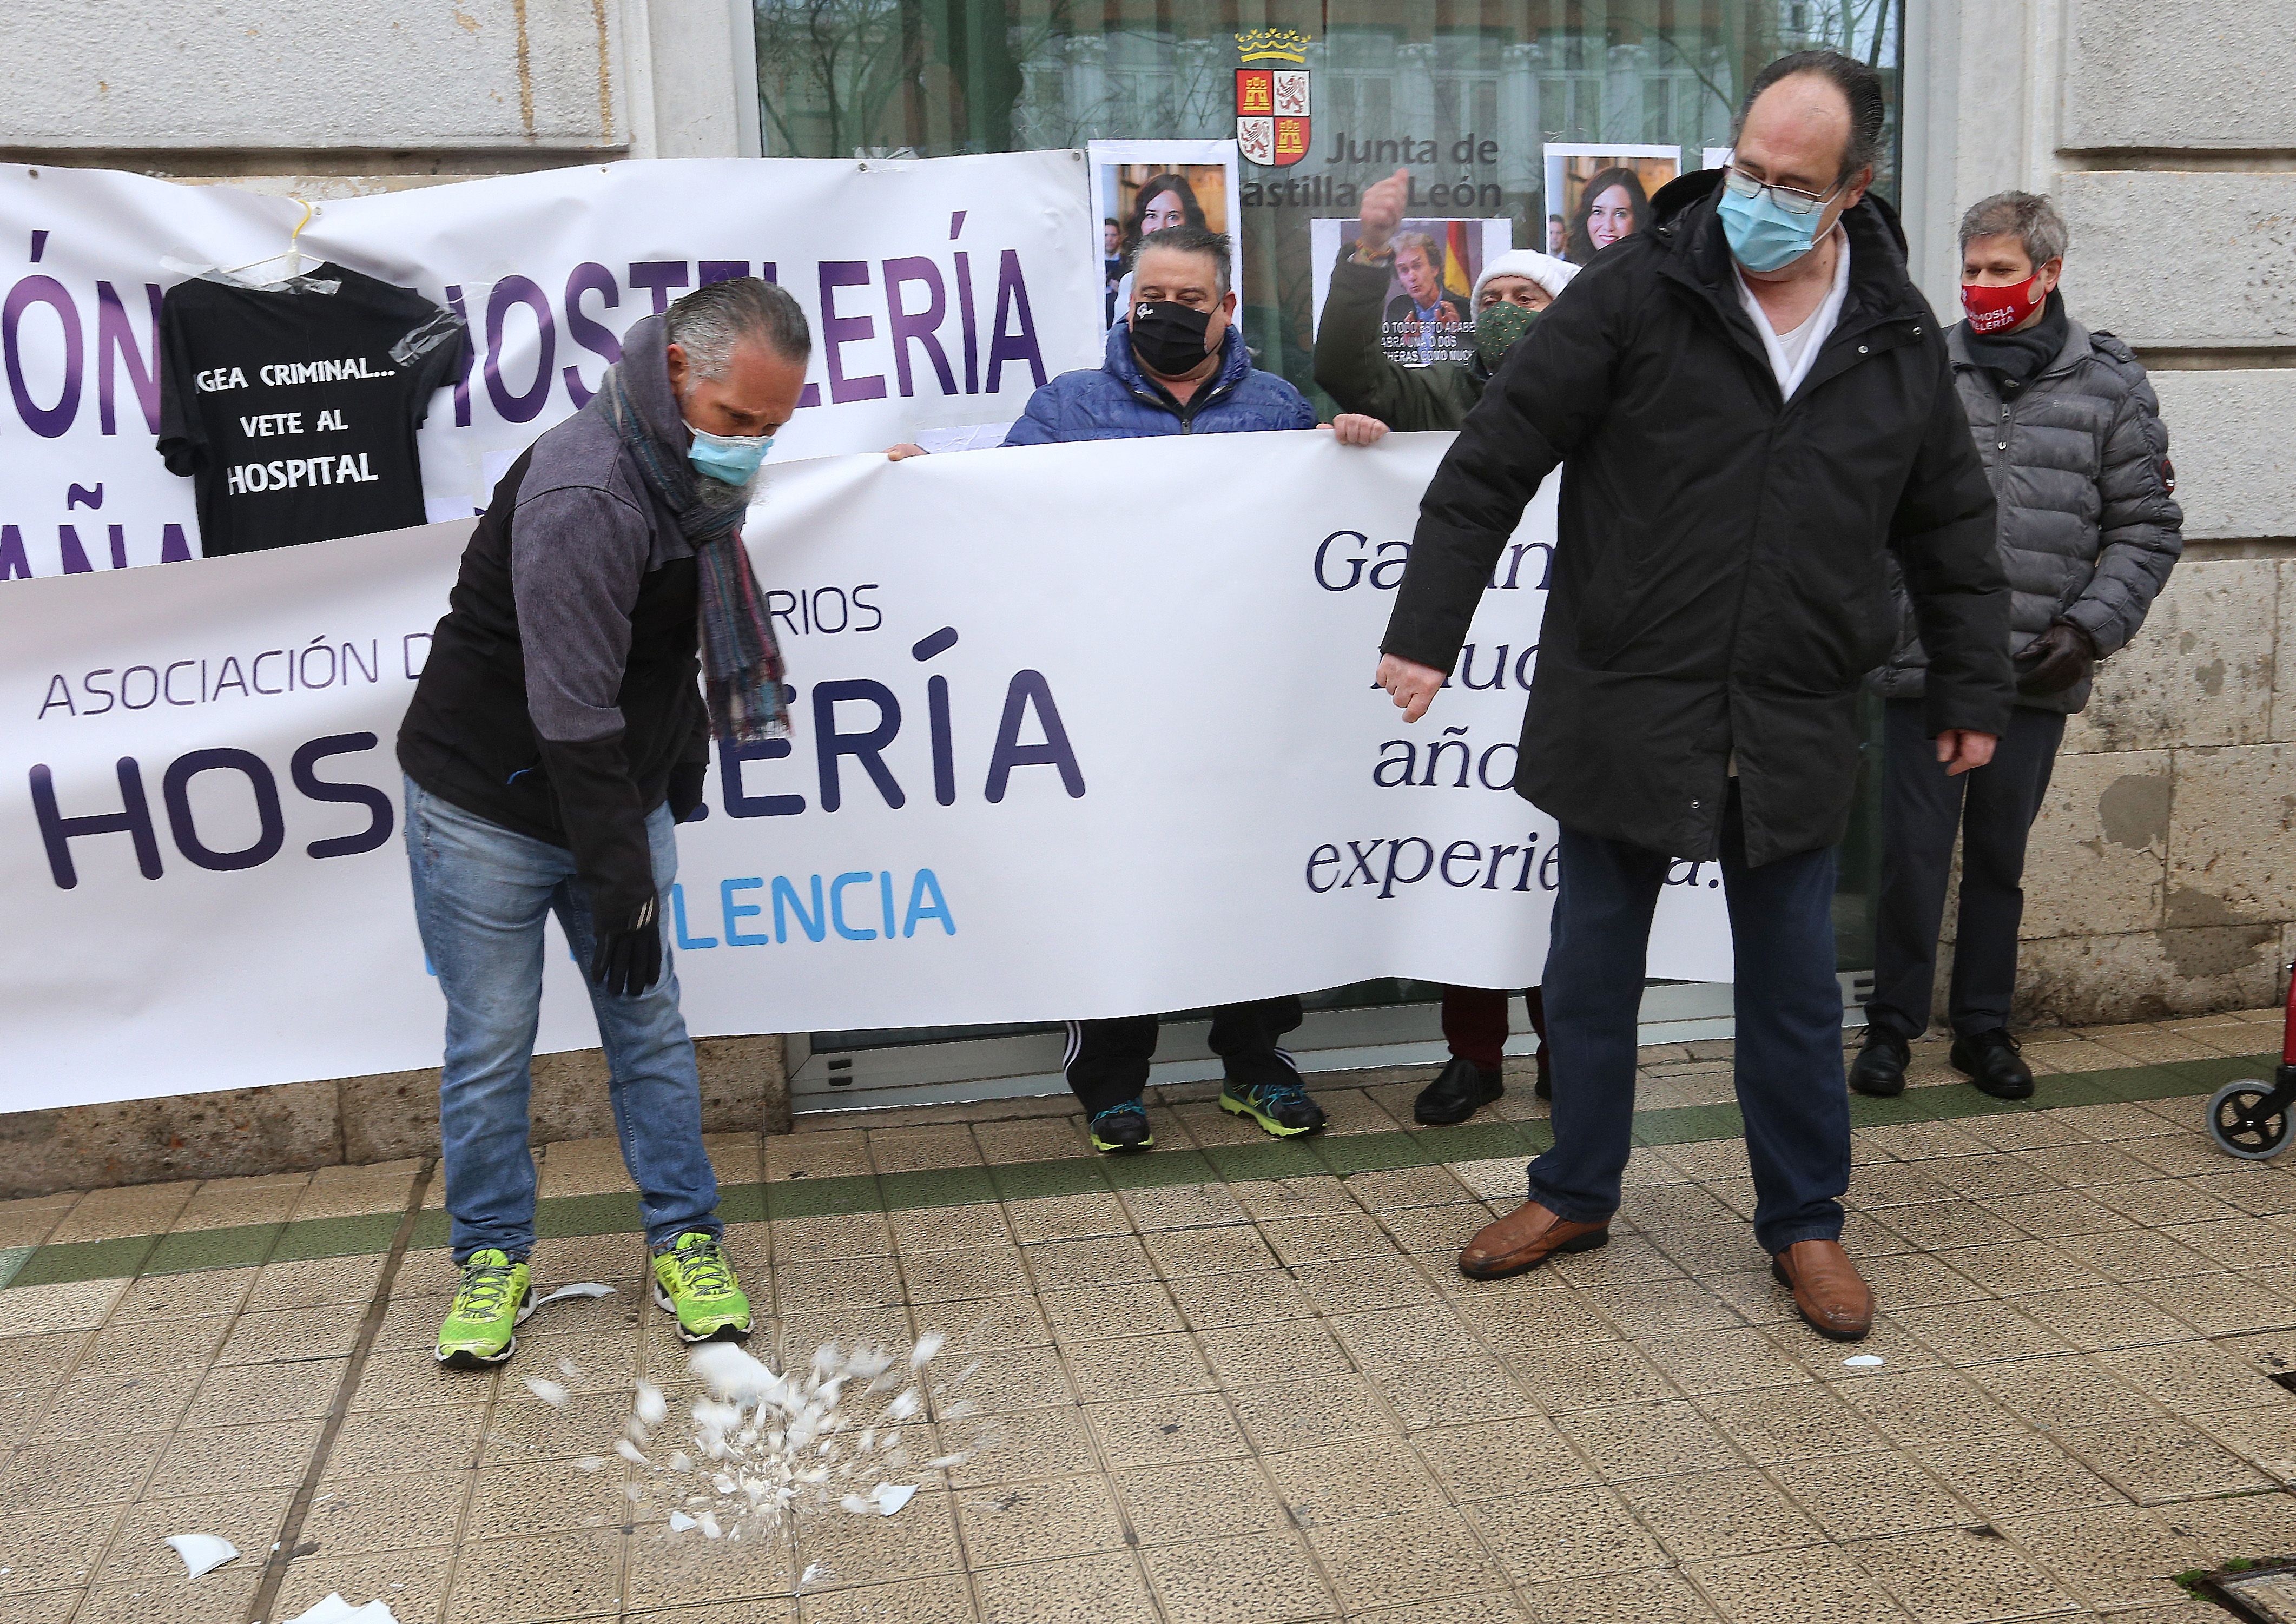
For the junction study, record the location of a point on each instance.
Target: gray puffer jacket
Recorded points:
(2089, 531)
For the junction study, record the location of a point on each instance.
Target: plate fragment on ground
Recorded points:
(889, 1497)
(580, 1288)
(1865, 1361)
(202, 1552)
(551, 1393)
(334, 1609)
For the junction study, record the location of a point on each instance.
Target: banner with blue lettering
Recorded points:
(1079, 730)
(941, 292)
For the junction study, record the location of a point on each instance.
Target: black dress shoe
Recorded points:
(1544, 1087)
(1879, 1067)
(1456, 1093)
(1990, 1059)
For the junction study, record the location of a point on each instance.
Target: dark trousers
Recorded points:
(1107, 1060)
(1475, 1023)
(1992, 809)
(1789, 1015)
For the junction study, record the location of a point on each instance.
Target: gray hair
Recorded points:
(2030, 218)
(707, 323)
(1860, 88)
(1429, 248)
(1190, 240)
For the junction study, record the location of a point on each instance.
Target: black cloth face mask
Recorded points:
(1169, 337)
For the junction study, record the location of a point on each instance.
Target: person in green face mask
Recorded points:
(1374, 391)
(1377, 393)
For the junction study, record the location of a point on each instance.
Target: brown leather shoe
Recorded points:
(1827, 1288)
(1524, 1238)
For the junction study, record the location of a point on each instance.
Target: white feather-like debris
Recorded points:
(762, 1447)
(580, 1288)
(551, 1393)
(202, 1552)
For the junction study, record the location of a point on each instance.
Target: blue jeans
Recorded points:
(1789, 1075)
(481, 894)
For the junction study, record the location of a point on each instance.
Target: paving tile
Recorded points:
(412, 1583)
(94, 1407)
(1283, 1418)
(220, 1598)
(1721, 1360)
(1248, 1297)
(74, 1472)
(1177, 1428)
(1418, 1556)
(1528, 1322)
(1966, 1333)
(1789, 1423)
(266, 1454)
(2111, 1556)
(249, 1518)
(1180, 1206)
(1914, 1406)
(922, 1229)
(408, 1441)
(1651, 1596)
(1662, 1439)
(1106, 1589)
(838, 1284)
(1586, 1375)
(1494, 1608)
(1387, 1190)
(1355, 1285)
(1712, 1514)
(2187, 1378)
(529, 1499)
(137, 1347)
(2094, 1317)
(1100, 1260)
(1140, 1367)
(1958, 1578)
(1170, 1504)
(2160, 1460)
(1560, 1534)
(860, 1550)
(1009, 1379)
(2220, 1303)
(1355, 1480)
(1816, 1584)
(1019, 1522)
(1864, 1496)
(979, 1326)
(181, 1296)
(1222, 1248)
(2069, 1392)
(231, 1394)
(944, 1599)
(353, 1516)
(1657, 1308)
(2051, 1214)
(130, 1209)
(405, 1377)
(963, 1275)
(67, 1305)
(2004, 1474)
(1253, 1578)
(2264, 1437)
(575, 1574)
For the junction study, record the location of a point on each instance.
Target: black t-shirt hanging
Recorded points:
(294, 408)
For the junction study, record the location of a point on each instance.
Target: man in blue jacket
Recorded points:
(1176, 365)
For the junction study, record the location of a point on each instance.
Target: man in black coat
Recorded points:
(1752, 409)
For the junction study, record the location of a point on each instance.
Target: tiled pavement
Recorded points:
(1229, 1380)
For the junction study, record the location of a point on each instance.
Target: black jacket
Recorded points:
(1718, 581)
(561, 687)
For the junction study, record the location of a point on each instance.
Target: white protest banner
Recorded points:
(1079, 730)
(941, 291)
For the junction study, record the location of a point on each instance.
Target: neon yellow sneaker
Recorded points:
(693, 1282)
(481, 1324)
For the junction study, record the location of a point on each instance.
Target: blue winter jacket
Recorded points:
(1118, 402)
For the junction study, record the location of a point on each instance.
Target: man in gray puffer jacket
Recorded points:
(2071, 437)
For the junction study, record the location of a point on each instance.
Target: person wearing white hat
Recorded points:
(1376, 393)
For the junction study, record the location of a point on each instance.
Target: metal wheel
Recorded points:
(2240, 1128)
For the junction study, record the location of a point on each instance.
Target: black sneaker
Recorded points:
(1991, 1060)
(1121, 1128)
(1879, 1067)
(1283, 1109)
(1459, 1090)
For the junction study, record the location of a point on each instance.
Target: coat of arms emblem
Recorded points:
(1271, 102)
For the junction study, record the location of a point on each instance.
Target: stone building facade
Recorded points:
(2164, 871)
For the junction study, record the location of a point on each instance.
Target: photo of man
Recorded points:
(1425, 316)
(1601, 194)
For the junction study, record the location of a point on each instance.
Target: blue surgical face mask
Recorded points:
(731, 457)
(1763, 236)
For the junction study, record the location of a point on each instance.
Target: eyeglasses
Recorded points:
(1791, 199)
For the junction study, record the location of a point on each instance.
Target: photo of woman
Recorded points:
(1604, 193)
(1148, 187)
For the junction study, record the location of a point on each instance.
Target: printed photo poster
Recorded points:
(1141, 186)
(1597, 194)
(1427, 316)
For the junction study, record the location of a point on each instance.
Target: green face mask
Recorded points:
(1497, 327)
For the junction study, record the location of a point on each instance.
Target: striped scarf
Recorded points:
(740, 663)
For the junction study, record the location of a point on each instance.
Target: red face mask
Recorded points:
(1998, 309)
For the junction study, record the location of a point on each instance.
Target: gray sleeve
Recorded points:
(2140, 529)
(577, 554)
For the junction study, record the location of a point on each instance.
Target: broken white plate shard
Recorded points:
(202, 1552)
(927, 1345)
(813, 1570)
(630, 1451)
(651, 1407)
(551, 1393)
(679, 1522)
(584, 1287)
(1864, 1361)
(891, 1496)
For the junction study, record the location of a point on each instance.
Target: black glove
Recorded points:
(2057, 660)
(628, 959)
(686, 783)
